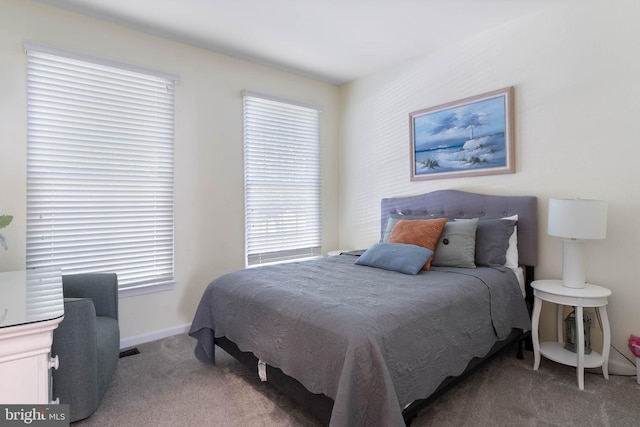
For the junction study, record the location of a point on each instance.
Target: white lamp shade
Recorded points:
(578, 218)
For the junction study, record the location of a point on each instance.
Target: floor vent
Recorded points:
(129, 352)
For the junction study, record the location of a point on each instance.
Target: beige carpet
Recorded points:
(165, 385)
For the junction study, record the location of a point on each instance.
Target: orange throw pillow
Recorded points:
(420, 232)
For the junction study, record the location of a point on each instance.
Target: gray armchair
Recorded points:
(87, 342)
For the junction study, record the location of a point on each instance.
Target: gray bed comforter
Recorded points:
(371, 339)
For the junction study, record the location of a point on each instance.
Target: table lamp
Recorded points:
(576, 220)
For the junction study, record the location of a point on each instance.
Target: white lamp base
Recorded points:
(573, 264)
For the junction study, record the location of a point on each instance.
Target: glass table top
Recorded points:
(30, 296)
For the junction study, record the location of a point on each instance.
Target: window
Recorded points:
(99, 169)
(282, 180)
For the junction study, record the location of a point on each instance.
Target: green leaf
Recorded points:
(5, 220)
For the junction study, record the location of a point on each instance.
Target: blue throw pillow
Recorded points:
(400, 257)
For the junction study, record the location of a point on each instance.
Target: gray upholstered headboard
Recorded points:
(460, 204)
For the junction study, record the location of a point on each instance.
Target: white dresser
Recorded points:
(31, 307)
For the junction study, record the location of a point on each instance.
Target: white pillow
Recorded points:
(512, 251)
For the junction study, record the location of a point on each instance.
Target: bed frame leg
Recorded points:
(520, 355)
(524, 341)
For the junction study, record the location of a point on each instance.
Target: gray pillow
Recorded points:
(457, 244)
(492, 241)
(400, 257)
(393, 219)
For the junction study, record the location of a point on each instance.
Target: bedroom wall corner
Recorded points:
(576, 133)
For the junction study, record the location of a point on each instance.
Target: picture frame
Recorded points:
(469, 137)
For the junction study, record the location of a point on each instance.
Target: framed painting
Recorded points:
(469, 137)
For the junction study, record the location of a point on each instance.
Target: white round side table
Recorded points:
(589, 296)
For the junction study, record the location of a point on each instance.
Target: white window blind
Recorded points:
(282, 180)
(99, 170)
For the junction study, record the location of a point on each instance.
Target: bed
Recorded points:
(368, 345)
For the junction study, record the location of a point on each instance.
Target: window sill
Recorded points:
(145, 289)
(284, 261)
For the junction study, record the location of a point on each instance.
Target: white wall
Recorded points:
(209, 222)
(576, 74)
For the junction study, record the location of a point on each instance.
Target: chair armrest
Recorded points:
(102, 288)
(75, 382)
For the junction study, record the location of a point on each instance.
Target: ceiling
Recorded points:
(336, 41)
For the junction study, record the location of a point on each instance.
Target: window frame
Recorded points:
(107, 181)
(273, 126)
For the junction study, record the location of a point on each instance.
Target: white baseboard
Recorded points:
(153, 336)
(616, 367)
(621, 368)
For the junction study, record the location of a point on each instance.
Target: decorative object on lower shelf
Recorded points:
(570, 340)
